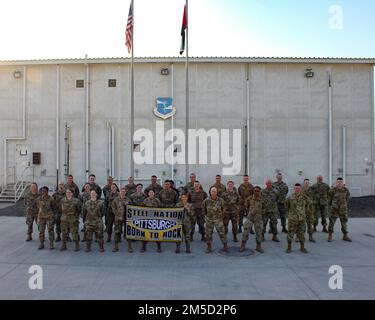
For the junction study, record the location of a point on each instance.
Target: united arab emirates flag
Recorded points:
(183, 32)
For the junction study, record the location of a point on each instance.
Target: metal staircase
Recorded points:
(12, 192)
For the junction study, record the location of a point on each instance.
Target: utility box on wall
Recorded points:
(36, 158)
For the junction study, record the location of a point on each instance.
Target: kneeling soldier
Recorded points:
(70, 212)
(255, 209)
(297, 205)
(186, 223)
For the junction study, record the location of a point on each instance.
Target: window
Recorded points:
(112, 83)
(80, 83)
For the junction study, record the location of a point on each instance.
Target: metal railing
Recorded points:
(26, 177)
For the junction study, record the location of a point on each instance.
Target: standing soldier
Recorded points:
(197, 196)
(321, 191)
(168, 197)
(213, 208)
(72, 186)
(271, 199)
(109, 215)
(131, 187)
(231, 201)
(84, 197)
(45, 205)
(31, 209)
(219, 186)
(118, 208)
(189, 187)
(154, 186)
(308, 193)
(186, 223)
(70, 212)
(254, 206)
(107, 188)
(94, 186)
(296, 205)
(138, 196)
(245, 190)
(282, 188)
(338, 202)
(58, 197)
(93, 211)
(152, 202)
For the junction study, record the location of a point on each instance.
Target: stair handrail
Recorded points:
(21, 182)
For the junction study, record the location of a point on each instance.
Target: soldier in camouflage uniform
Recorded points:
(338, 202)
(118, 208)
(131, 187)
(245, 190)
(45, 205)
(321, 191)
(94, 186)
(107, 189)
(282, 188)
(154, 186)
(189, 187)
(72, 186)
(219, 186)
(196, 197)
(271, 199)
(152, 202)
(57, 197)
(213, 209)
(84, 197)
(186, 223)
(308, 194)
(168, 197)
(254, 206)
(109, 215)
(296, 205)
(231, 202)
(31, 209)
(93, 211)
(70, 212)
(138, 197)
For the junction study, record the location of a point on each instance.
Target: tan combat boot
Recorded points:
(275, 239)
(101, 245)
(115, 247)
(243, 246)
(29, 238)
(130, 249)
(63, 247)
(259, 248)
(311, 239)
(303, 249)
(51, 245)
(289, 250)
(76, 249)
(88, 246)
(225, 247)
(330, 237)
(346, 238)
(209, 247)
(41, 245)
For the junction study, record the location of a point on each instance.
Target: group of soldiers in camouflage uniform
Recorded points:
(249, 208)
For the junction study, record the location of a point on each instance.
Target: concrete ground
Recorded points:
(151, 275)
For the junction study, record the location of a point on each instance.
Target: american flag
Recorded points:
(129, 29)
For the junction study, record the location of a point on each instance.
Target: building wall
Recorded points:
(288, 117)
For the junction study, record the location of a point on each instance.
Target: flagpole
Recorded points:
(187, 94)
(132, 100)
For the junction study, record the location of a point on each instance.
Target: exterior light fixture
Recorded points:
(164, 71)
(309, 73)
(17, 74)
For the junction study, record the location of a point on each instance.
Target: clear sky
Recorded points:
(72, 28)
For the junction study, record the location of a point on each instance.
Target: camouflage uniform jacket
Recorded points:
(45, 206)
(338, 198)
(74, 189)
(154, 187)
(245, 191)
(71, 209)
(31, 203)
(168, 198)
(321, 192)
(152, 203)
(119, 206)
(213, 209)
(255, 208)
(296, 205)
(188, 213)
(196, 198)
(283, 189)
(308, 194)
(137, 198)
(130, 189)
(107, 190)
(220, 188)
(93, 211)
(270, 198)
(58, 197)
(231, 200)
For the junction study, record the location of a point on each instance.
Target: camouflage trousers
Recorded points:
(343, 216)
(70, 226)
(109, 222)
(270, 216)
(58, 223)
(247, 226)
(186, 230)
(118, 229)
(198, 218)
(323, 211)
(233, 217)
(217, 223)
(30, 219)
(48, 223)
(296, 227)
(283, 213)
(310, 219)
(241, 215)
(96, 228)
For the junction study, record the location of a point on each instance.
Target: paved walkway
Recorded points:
(151, 275)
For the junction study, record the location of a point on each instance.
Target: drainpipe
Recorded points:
(344, 153)
(330, 125)
(23, 137)
(87, 122)
(57, 125)
(248, 138)
(172, 96)
(112, 151)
